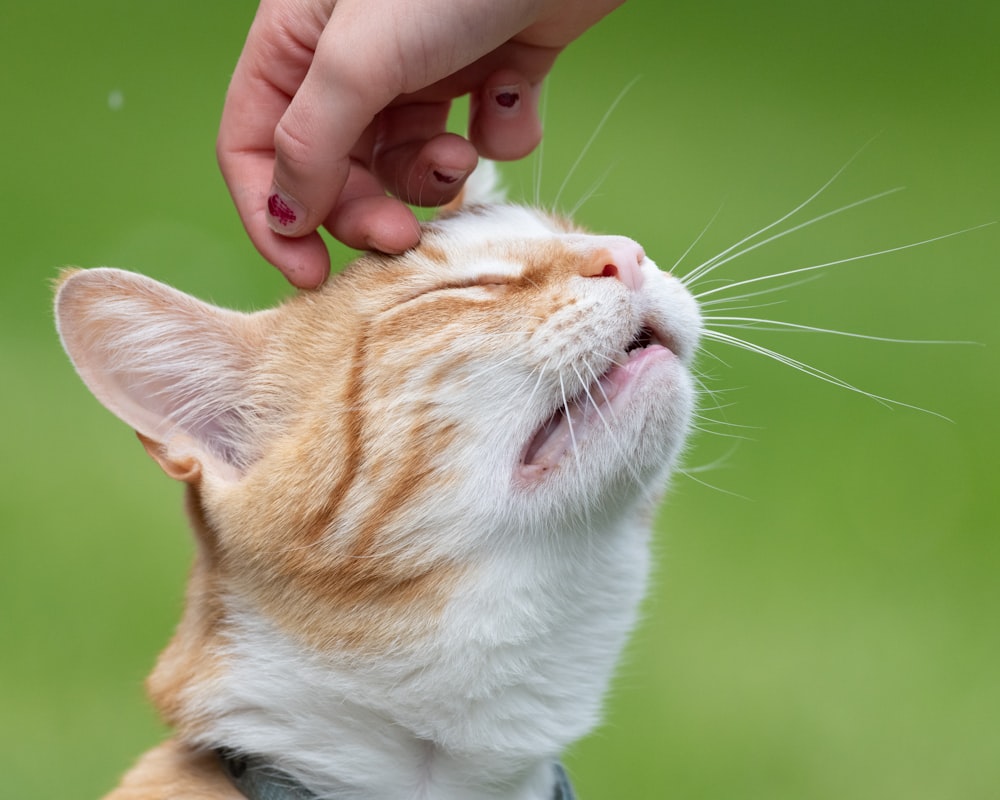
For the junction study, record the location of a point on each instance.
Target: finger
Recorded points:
(258, 95)
(416, 159)
(370, 52)
(305, 262)
(345, 87)
(367, 219)
(503, 116)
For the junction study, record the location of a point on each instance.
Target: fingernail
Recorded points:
(448, 176)
(284, 215)
(506, 99)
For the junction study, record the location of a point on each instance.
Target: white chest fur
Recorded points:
(514, 672)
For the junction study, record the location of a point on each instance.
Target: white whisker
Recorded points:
(590, 192)
(538, 381)
(694, 274)
(759, 292)
(607, 427)
(697, 239)
(714, 263)
(689, 474)
(753, 323)
(839, 261)
(585, 508)
(569, 419)
(593, 136)
(486, 369)
(540, 150)
(814, 372)
(723, 434)
(711, 466)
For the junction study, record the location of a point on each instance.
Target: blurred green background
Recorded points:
(825, 617)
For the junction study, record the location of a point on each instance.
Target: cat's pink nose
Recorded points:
(616, 257)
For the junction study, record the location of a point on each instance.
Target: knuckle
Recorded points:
(293, 150)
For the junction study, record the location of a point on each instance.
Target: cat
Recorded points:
(422, 498)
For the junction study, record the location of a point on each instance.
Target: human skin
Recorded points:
(337, 110)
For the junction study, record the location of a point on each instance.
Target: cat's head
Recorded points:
(512, 381)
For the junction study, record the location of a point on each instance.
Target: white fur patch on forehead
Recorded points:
(489, 239)
(483, 186)
(498, 222)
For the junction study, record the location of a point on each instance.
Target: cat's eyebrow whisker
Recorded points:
(700, 270)
(697, 239)
(812, 371)
(594, 187)
(772, 325)
(700, 295)
(540, 150)
(593, 136)
(714, 263)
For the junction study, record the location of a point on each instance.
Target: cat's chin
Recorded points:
(574, 421)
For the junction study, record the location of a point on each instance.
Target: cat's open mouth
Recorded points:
(573, 420)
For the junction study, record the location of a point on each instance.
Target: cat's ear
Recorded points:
(174, 368)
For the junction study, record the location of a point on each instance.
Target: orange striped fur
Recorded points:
(421, 496)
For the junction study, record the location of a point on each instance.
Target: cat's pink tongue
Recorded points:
(572, 423)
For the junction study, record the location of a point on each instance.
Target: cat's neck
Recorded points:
(440, 776)
(478, 711)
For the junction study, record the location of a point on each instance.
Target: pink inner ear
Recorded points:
(186, 469)
(161, 361)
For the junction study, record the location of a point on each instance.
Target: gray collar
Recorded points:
(258, 780)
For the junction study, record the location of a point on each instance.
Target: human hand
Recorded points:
(333, 103)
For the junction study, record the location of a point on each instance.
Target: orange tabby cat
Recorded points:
(421, 497)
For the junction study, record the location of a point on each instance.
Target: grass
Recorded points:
(823, 623)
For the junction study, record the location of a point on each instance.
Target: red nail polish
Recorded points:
(280, 210)
(506, 97)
